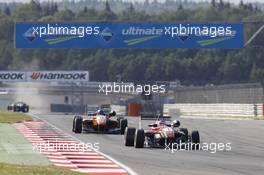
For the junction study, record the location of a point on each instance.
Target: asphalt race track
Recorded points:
(246, 157)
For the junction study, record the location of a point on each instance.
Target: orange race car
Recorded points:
(100, 122)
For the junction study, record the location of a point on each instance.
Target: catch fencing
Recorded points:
(231, 93)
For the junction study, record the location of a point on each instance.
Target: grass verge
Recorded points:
(13, 117)
(9, 169)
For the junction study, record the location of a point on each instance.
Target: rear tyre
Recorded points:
(195, 138)
(78, 124)
(73, 124)
(139, 138)
(129, 136)
(184, 138)
(123, 125)
(15, 109)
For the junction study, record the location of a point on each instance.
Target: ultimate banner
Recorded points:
(129, 35)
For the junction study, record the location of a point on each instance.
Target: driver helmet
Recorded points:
(100, 112)
(162, 122)
(176, 123)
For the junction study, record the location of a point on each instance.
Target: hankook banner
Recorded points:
(42, 76)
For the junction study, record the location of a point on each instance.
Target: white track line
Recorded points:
(96, 170)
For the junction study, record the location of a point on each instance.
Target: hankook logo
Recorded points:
(35, 75)
(58, 76)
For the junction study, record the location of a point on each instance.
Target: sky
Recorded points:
(233, 1)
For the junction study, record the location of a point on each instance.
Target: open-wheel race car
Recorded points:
(161, 134)
(18, 107)
(100, 122)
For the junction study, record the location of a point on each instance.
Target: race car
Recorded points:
(100, 122)
(18, 107)
(161, 134)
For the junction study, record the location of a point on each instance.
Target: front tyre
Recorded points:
(78, 124)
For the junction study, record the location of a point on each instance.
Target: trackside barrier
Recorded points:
(122, 110)
(67, 108)
(254, 111)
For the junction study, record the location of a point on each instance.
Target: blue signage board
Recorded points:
(129, 35)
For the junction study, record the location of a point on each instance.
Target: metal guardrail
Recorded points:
(67, 108)
(254, 111)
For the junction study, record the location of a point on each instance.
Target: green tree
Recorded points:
(29, 12)
(65, 15)
(7, 11)
(107, 14)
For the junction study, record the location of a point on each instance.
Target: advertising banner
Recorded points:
(44, 76)
(15, 76)
(70, 76)
(129, 35)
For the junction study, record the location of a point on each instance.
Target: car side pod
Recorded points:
(139, 138)
(129, 136)
(77, 124)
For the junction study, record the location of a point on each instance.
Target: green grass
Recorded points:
(13, 117)
(9, 169)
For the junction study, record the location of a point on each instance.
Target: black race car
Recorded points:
(18, 107)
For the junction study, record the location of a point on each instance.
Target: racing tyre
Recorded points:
(139, 138)
(78, 124)
(195, 138)
(73, 124)
(123, 125)
(129, 136)
(26, 109)
(184, 138)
